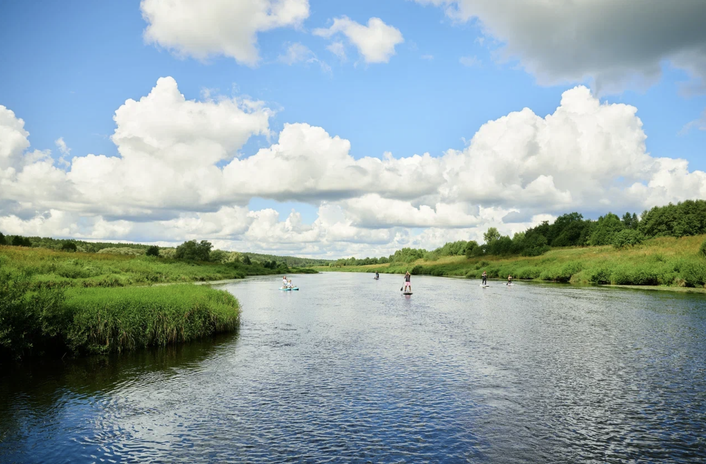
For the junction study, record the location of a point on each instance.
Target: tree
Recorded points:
(630, 221)
(218, 256)
(535, 245)
(246, 260)
(470, 248)
(153, 251)
(194, 251)
(491, 235)
(605, 229)
(68, 246)
(2, 239)
(17, 241)
(628, 238)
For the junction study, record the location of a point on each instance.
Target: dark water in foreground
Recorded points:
(349, 370)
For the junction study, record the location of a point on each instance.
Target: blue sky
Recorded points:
(66, 67)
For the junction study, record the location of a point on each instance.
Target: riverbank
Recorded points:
(48, 269)
(666, 263)
(54, 302)
(77, 321)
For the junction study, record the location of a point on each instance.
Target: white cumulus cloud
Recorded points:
(375, 42)
(218, 27)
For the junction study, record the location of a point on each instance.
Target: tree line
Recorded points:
(568, 230)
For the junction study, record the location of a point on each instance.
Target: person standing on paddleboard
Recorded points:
(485, 278)
(407, 282)
(509, 280)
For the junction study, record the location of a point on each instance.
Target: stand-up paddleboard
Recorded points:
(484, 286)
(406, 293)
(285, 289)
(509, 285)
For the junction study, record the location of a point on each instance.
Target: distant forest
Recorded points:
(191, 250)
(568, 230)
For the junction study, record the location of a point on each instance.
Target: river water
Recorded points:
(348, 370)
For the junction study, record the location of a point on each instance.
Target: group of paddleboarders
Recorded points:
(407, 281)
(484, 279)
(287, 283)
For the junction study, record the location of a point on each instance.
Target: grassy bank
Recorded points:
(49, 268)
(118, 319)
(665, 261)
(107, 320)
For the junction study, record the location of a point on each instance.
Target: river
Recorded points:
(349, 370)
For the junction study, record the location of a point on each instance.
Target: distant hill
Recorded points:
(140, 249)
(291, 261)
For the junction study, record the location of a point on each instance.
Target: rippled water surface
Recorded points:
(347, 369)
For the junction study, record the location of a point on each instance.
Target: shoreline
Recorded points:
(652, 288)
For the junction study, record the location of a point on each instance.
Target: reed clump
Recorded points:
(105, 320)
(108, 320)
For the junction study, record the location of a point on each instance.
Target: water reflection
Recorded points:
(348, 370)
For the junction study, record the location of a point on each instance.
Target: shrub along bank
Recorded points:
(107, 320)
(664, 261)
(48, 268)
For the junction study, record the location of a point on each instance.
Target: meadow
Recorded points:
(50, 268)
(666, 262)
(57, 302)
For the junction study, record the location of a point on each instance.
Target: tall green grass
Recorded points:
(108, 320)
(117, 319)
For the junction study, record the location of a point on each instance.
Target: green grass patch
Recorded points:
(104, 320)
(663, 261)
(49, 269)
(108, 320)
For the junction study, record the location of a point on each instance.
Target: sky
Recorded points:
(348, 128)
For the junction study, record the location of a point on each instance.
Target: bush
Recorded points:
(416, 270)
(628, 238)
(194, 251)
(153, 251)
(598, 275)
(68, 246)
(693, 273)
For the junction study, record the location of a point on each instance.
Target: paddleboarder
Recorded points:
(509, 280)
(485, 278)
(407, 282)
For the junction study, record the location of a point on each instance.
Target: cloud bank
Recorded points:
(614, 43)
(180, 174)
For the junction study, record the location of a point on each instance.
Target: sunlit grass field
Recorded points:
(48, 268)
(664, 261)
